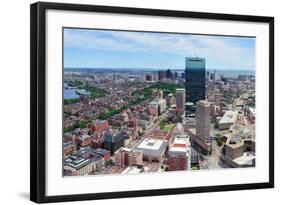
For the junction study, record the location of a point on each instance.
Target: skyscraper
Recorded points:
(195, 69)
(180, 100)
(161, 75)
(148, 77)
(169, 74)
(203, 120)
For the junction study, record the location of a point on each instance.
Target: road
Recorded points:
(211, 161)
(151, 128)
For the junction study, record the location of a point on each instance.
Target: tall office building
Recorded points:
(148, 77)
(180, 100)
(161, 75)
(169, 74)
(216, 76)
(195, 69)
(203, 120)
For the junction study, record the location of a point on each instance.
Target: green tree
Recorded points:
(219, 139)
(70, 101)
(216, 125)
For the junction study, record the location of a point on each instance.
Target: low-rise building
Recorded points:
(162, 134)
(153, 149)
(143, 124)
(97, 142)
(239, 151)
(229, 118)
(102, 152)
(68, 148)
(78, 166)
(127, 157)
(85, 140)
(99, 125)
(153, 109)
(135, 169)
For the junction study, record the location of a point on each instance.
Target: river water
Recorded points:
(69, 93)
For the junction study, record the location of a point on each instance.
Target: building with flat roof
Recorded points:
(180, 100)
(113, 141)
(239, 152)
(162, 134)
(203, 120)
(195, 69)
(152, 149)
(178, 153)
(135, 169)
(78, 166)
(127, 157)
(68, 148)
(99, 125)
(102, 152)
(229, 118)
(148, 77)
(85, 140)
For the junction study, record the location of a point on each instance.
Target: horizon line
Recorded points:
(232, 69)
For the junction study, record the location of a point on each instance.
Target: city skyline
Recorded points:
(84, 48)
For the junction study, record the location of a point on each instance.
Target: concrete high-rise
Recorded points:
(180, 100)
(195, 69)
(203, 120)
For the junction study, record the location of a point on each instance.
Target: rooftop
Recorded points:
(133, 170)
(181, 144)
(101, 151)
(153, 144)
(180, 89)
(246, 159)
(77, 162)
(152, 147)
(203, 103)
(230, 116)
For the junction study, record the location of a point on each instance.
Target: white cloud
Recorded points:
(221, 51)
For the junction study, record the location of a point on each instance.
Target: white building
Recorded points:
(153, 149)
(229, 118)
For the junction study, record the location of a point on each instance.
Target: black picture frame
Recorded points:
(38, 100)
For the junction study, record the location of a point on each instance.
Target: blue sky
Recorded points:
(122, 49)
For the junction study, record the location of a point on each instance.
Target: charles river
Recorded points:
(69, 93)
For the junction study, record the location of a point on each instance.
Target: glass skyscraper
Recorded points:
(195, 69)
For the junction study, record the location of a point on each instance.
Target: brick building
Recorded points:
(127, 157)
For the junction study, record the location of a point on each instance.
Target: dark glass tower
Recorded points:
(195, 69)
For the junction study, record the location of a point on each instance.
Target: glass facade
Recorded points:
(195, 69)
